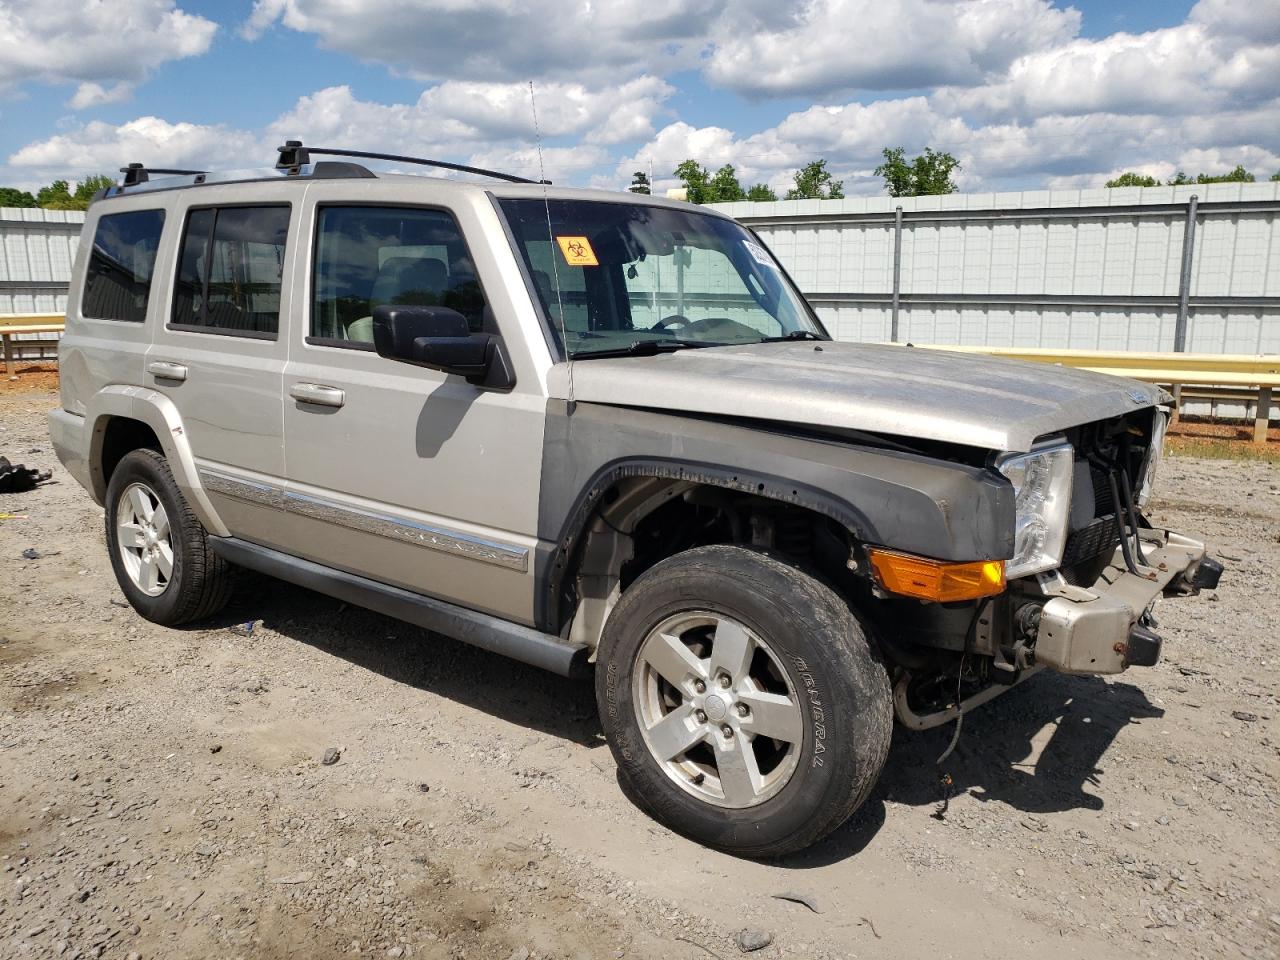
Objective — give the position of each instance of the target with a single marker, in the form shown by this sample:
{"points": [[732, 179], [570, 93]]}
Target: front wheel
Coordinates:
{"points": [[742, 700]]}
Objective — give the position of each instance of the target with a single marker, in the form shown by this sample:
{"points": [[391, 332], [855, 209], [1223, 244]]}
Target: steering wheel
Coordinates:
{"points": [[673, 322]]}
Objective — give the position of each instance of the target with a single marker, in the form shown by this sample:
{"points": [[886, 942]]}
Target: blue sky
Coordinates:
{"points": [[1028, 93]]}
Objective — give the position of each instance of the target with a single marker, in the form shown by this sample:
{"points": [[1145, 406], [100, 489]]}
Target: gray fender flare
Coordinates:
{"points": [[159, 413]]}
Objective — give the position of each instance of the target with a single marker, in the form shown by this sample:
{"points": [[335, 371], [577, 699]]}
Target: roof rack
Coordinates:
{"points": [[293, 155], [136, 173]]}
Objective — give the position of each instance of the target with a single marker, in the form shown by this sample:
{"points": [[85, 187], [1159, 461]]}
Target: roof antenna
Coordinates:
{"points": [[555, 269]]}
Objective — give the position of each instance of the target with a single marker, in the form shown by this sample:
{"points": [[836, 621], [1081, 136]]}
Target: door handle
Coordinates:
{"points": [[166, 370], [318, 394]]}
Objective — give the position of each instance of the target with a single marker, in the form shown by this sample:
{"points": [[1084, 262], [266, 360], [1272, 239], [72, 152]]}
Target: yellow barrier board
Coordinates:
{"points": [[47, 322]]}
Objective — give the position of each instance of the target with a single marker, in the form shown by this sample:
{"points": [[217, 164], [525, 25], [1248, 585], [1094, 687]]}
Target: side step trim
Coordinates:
{"points": [[481, 630]]}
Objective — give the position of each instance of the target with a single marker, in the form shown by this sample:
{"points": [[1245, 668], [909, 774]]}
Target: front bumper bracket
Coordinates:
{"points": [[1101, 629]]}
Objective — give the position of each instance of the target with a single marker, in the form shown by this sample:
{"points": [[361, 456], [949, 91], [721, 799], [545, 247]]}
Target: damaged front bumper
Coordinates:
{"points": [[1107, 627]]}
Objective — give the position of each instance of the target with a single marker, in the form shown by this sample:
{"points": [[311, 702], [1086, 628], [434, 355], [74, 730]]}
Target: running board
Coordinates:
{"points": [[481, 630]]}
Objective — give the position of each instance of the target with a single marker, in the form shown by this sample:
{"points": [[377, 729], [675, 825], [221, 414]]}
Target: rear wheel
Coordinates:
{"points": [[159, 551], [742, 700]]}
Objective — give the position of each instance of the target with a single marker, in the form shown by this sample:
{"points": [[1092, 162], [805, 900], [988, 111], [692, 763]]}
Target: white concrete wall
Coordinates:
{"points": [[1113, 256], [37, 248]]}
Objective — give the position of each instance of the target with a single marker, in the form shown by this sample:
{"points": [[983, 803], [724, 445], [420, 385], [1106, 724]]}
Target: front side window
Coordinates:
{"points": [[370, 256], [230, 270], [617, 277], [117, 284]]}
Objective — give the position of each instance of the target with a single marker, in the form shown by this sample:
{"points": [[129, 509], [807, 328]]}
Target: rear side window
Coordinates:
{"points": [[118, 282], [369, 256], [230, 269]]}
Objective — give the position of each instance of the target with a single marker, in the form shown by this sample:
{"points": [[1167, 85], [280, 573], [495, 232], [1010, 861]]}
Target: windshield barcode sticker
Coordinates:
{"points": [[759, 254]]}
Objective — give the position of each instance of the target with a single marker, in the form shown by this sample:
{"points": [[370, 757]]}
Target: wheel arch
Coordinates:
{"points": [[594, 542], [123, 418]]}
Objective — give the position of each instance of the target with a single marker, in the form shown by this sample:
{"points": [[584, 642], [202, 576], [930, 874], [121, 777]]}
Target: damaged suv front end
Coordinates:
{"points": [[1079, 590]]}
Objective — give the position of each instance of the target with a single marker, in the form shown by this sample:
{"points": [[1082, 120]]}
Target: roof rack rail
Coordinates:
{"points": [[136, 173], [293, 155]]}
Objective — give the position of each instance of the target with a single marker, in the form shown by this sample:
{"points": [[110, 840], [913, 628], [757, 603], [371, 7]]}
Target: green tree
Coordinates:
{"points": [[1275, 176], [59, 195], [927, 175], [814, 182], [696, 180], [13, 197], [56, 196], [1180, 179], [725, 187], [764, 192], [1238, 175], [640, 183], [1133, 180], [87, 187]]}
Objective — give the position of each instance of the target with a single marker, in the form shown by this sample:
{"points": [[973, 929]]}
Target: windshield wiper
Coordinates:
{"points": [[647, 348], [794, 335]]}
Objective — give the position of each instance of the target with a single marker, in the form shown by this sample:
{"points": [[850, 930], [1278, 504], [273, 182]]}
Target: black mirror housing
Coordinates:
{"points": [[441, 339]]}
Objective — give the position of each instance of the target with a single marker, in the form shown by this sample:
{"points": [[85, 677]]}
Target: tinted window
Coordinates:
{"points": [[230, 269], [121, 263], [369, 256]]}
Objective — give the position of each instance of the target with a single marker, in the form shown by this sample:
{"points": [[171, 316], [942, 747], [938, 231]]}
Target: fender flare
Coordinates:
{"points": [[160, 414], [557, 561]]}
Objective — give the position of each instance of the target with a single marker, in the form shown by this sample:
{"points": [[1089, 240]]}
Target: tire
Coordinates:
{"points": [[197, 582], [816, 656]]}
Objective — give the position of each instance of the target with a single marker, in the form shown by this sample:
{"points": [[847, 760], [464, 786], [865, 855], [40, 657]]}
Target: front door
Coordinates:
{"points": [[396, 472]]}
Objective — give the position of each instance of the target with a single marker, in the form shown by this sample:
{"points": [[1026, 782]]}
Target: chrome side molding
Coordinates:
{"points": [[431, 537]]}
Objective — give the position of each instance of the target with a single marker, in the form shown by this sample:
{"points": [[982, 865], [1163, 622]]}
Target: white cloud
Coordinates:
{"points": [[843, 45], [95, 94], [96, 147], [106, 46], [1007, 86], [1202, 65], [465, 113], [501, 40]]}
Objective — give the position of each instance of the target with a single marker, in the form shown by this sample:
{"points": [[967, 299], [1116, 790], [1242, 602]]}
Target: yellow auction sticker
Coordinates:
{"points": [[577, 251]]}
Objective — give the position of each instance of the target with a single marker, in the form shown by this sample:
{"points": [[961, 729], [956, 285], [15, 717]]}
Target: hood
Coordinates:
{"points": [[971, 399]]}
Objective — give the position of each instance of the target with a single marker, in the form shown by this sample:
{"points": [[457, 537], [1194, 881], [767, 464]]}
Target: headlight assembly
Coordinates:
{"points": [[1042, 487], [1154, 455]]}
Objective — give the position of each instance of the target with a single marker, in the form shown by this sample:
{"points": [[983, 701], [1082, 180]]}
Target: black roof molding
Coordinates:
{"points": [[293, 156]]}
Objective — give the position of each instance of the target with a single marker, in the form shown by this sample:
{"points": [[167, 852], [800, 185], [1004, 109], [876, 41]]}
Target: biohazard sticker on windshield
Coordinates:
{"points": [[577, 251], [759, 254]]}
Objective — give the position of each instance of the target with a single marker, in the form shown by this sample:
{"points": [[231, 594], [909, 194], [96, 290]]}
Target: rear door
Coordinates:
{"points": [[397, 472], [220, 355]]}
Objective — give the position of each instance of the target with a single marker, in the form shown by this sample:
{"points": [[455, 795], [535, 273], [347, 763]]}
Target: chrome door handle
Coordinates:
{"points": [[167, 370], [319, 394]]}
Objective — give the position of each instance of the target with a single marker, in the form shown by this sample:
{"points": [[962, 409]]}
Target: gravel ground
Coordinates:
{"points": [[162, 792]]}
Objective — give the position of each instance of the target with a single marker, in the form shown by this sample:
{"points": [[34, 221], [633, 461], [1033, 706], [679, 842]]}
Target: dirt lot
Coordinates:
{"points": [[162, 792]]}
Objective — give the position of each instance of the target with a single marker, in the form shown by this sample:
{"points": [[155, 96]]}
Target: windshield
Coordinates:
{"points": [[623, 277]]}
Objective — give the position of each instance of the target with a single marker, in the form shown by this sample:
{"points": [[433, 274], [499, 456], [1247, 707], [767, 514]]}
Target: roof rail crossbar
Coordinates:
{"points": [[293, 155], [136, 173]]}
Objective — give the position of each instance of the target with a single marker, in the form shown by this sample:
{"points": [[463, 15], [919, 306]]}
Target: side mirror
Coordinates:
{"points": [[439, 338]]}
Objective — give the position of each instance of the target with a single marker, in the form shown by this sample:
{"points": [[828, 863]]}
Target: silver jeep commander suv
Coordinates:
{"points": [[600, 430]]}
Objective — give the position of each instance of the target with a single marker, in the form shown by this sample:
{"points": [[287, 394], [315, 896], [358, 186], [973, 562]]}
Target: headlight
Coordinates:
{"points": [[1042, 488], [1155, 454]]}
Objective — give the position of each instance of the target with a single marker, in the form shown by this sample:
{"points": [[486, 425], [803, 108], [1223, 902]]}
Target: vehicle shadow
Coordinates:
{"points": [[417, 658], [1035, 748]]}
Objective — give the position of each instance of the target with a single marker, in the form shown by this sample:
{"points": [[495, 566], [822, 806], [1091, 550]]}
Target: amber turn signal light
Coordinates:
{"points": [[910, 576]]}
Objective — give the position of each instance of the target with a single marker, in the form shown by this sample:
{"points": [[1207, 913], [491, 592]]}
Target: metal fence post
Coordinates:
{"points": [[1184, 278], [897, 272]]}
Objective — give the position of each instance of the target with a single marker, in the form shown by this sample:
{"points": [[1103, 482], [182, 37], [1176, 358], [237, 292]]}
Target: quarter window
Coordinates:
{"points": [[117, 285], [370, 256], [230, 271]]}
